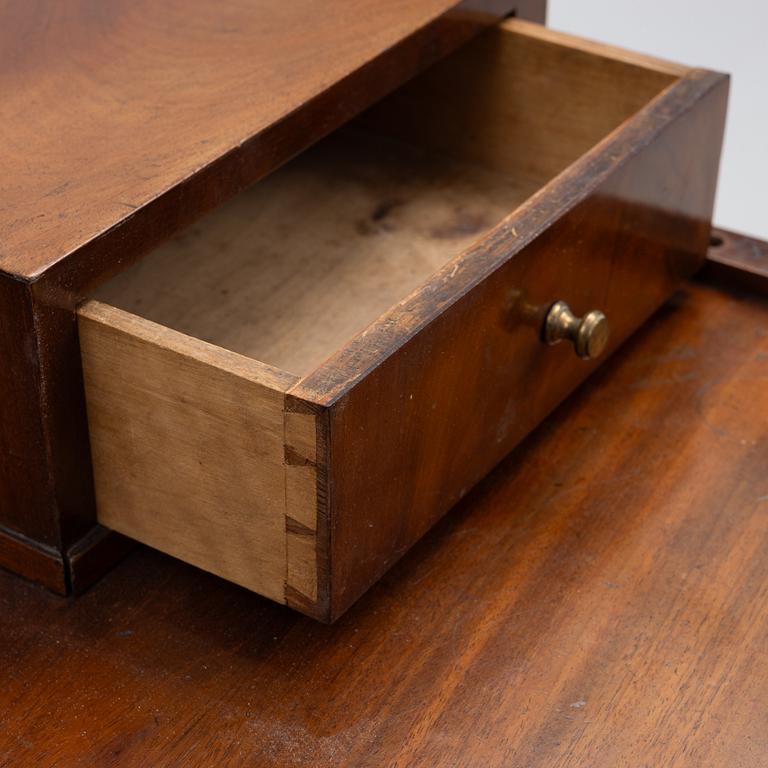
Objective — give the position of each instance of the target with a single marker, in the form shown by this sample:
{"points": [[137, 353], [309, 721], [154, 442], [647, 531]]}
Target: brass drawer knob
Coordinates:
{"points": [[589, 334]]}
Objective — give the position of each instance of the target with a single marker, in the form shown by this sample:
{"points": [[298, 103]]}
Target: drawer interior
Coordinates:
{"points": [[290, 270]]}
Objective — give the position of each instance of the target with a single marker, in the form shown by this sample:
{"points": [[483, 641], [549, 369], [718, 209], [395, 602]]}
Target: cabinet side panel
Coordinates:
{"points": [[27, 502], [187, 445], [33, 561], [468, 377]]}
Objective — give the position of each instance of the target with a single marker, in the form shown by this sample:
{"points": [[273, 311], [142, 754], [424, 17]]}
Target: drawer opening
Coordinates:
{"points": [[291, 269]]}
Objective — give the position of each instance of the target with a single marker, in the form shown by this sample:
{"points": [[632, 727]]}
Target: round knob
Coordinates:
{"points": [[589, 334]]}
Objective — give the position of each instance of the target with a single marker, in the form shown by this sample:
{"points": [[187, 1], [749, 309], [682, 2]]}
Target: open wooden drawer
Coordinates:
{"points": [[292, 391]]}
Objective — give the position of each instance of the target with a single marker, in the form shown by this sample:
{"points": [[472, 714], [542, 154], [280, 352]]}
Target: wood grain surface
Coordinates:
{"points": [[122, 122], [108, 106], [533, 100], [392, 291], [373, 211], [25, 506], [290, 270], [441, 387], [599, 601], [188, 446], [383, 213], [739, 261]]}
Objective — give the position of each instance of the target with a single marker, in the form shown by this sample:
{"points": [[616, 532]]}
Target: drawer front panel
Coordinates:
{"points": [[411, 435]]}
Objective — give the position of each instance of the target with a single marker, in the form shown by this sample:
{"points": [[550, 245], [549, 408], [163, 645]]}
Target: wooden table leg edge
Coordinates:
{"points": [[736, 262]]}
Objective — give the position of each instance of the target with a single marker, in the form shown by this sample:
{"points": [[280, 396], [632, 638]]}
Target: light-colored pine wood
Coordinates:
{"points": [[188, 446]]}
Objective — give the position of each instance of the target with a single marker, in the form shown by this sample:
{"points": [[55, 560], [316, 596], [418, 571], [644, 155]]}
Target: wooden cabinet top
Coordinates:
{"points": [[123, 120]]}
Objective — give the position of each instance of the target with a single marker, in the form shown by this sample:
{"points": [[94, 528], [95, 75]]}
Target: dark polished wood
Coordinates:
{"points": [[599, 600], [439, 389], [108, 106], [26, 499], [124, 121], [737, 260]]}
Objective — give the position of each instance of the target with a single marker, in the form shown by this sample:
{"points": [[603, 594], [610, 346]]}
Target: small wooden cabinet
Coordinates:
{"points": [[292, 389]]}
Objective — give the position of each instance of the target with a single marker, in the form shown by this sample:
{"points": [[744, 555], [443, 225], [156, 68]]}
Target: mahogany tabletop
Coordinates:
{"points": [[600, 600]]}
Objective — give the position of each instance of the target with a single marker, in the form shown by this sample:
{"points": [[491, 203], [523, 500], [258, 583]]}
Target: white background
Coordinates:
{"points": [[730, 36]]}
